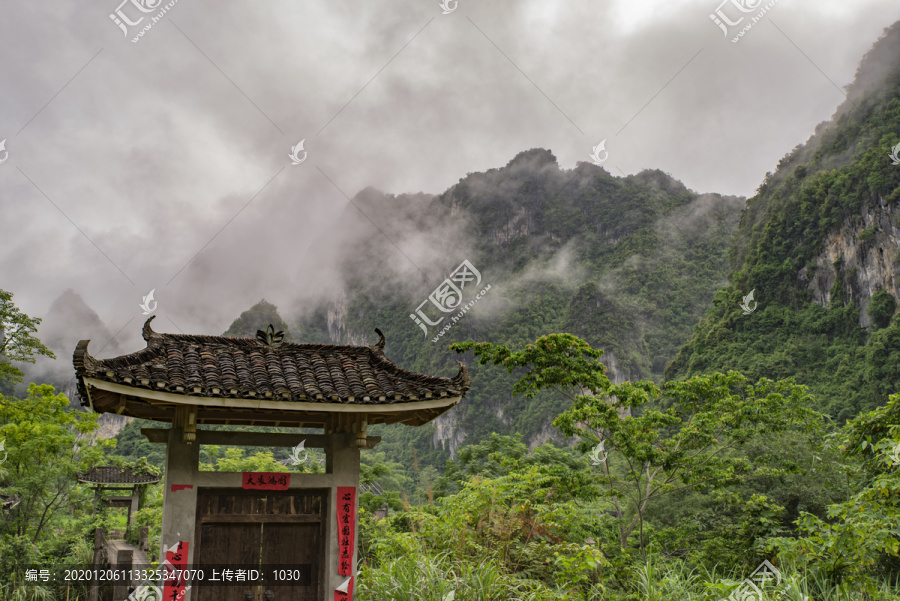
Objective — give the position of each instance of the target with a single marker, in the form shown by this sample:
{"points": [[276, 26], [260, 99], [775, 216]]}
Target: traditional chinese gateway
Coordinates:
{"points": [[304, 522]]}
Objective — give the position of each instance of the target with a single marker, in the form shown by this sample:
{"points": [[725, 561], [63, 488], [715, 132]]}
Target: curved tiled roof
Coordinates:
{"points": [[110, 474], [246, 368]]}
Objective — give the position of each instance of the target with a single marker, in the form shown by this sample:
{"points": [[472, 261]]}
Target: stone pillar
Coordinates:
{"points": [[133, 508], [136, 498], [180, 506], [345, 464]]}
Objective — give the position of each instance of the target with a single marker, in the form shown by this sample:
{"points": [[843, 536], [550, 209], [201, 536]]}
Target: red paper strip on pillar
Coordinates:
{"points": [[346, 528], [265, 480], [339, 595], [174, 567]]}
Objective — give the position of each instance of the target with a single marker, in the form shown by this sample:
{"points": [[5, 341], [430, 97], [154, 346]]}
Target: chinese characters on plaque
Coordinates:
{"points": [[265, 480]]}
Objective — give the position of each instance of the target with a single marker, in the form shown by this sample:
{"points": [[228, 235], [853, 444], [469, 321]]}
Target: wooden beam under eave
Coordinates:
{"points": [[253, 439], [156, 396]]}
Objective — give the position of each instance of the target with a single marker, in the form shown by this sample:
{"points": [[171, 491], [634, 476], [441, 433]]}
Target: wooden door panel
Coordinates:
{"points": [[227, 544], [296, 547], [269, 528]]}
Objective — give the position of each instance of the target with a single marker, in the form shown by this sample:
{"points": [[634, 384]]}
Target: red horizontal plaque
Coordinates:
{"points": [[265, 480]]}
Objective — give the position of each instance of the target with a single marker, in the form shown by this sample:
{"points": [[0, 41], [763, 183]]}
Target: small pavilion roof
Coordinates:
{"points": [[234, 376], [110, 474]]}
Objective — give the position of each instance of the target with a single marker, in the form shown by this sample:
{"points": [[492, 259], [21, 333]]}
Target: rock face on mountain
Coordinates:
{"points": [[819, 245], [864, 253], [624, 262]]}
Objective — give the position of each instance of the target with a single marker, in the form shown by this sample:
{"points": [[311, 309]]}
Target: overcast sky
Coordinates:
{"points": [[127, 159]]}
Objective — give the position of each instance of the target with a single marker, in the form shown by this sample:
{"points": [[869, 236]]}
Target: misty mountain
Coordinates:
{"points": [[68, 320], [819, 245], [506, 256]]}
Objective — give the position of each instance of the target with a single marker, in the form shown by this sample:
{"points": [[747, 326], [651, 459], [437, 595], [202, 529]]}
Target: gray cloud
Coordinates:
{"points": [[150, 149]]}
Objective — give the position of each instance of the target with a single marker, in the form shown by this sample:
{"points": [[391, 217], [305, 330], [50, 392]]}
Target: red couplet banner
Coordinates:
{"points": [[346, 528], [265, 480], [173, 568]]}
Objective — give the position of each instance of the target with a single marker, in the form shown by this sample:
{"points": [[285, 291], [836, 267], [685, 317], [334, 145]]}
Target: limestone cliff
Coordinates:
{"points": [[864, 253]]}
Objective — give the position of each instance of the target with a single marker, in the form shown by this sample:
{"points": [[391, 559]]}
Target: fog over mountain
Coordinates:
{"points": [[163, 164]]}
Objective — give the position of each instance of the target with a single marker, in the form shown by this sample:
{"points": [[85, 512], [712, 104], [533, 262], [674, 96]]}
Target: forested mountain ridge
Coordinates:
{"points": [[625, 262], [819, 245]]}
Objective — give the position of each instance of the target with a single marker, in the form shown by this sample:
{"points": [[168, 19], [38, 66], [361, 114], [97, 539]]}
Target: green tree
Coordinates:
{"points": [[54, 517], [860, 536], [660, 441], [17, 340], [234, 459], [881, 308], [46, 448]]}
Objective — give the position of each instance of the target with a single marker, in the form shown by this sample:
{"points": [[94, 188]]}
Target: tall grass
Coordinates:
{"points": [[420, 577], [436, 578], [675, 581]]}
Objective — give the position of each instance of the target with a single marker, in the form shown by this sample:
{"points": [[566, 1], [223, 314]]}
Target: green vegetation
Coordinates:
{"points": [[696, 484], [54, 517], [723, 439], [819, 189], [628, 264], [17, 341]]}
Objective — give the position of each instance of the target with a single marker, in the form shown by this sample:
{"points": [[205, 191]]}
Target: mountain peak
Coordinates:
{"points": [[536, 158]]}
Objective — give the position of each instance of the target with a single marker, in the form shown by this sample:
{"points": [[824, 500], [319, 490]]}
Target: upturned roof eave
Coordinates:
{"points": [[166, 397], [89, 366]]}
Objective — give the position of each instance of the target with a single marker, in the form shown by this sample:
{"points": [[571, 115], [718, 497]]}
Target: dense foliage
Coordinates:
{"points": [[689, 488]]}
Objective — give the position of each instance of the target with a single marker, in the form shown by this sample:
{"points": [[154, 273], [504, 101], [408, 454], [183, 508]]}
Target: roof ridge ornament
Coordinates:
{"points": [[147, 332], [270, 337], [462, 379], [378, 347], [82, 359]]}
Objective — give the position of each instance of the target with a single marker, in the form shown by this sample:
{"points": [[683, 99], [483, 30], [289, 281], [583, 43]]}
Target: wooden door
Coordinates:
{"points": [[280, 533], [225, 546], [290, 550]]}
